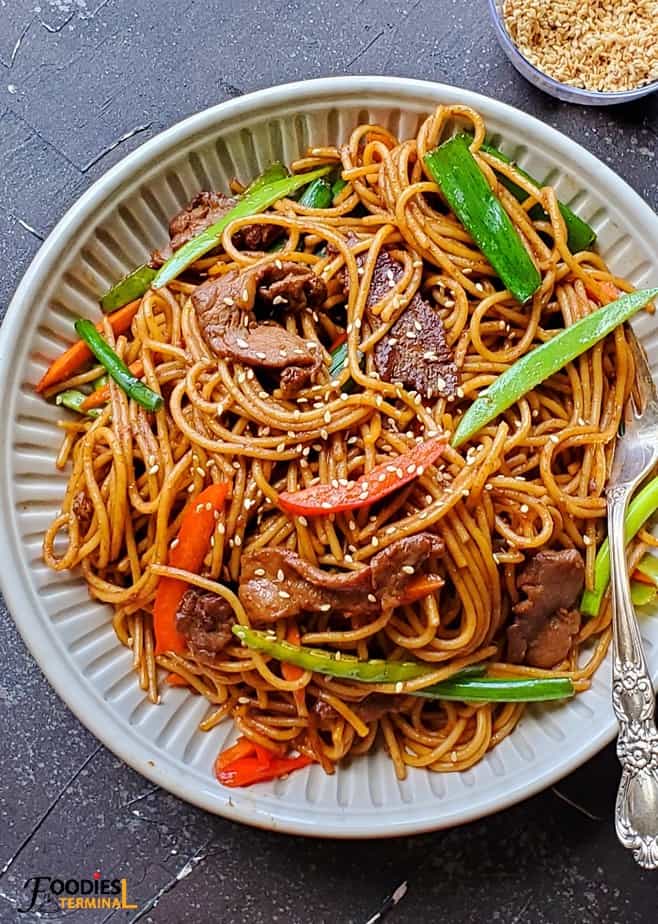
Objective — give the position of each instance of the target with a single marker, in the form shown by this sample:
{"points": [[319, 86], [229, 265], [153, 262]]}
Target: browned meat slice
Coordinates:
{"points": [[206, 620], [82, 508], [275, 583], [545, 623], [268, 346], [204, 210], [225, 311], [219, 304], [415, 351], [370, 709], [289, 286], [553, 641]]}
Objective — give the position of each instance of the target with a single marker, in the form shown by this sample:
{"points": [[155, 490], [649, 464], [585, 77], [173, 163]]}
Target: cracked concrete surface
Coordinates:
{"points": [[90, 80]]}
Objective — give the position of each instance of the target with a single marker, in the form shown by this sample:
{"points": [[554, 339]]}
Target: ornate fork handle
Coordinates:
{"points": [[636, 809]]}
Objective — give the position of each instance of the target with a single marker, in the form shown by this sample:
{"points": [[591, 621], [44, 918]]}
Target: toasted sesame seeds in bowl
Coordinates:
{"points": [[590, 52]]}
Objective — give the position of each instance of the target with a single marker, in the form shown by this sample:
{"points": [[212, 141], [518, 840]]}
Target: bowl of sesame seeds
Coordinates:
{"points": [[591, 52]]}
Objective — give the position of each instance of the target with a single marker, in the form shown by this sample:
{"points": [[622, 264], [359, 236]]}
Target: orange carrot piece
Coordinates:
{"points": [[420, 587], [197, 527], [77, 355], [102, 395]]}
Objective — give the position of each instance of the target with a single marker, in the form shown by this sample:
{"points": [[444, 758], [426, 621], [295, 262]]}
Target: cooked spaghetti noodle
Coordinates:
{"points": [[530, 480]]}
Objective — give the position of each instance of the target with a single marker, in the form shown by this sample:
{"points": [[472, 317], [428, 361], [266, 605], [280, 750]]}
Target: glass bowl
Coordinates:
{"points": [[563, 91]]}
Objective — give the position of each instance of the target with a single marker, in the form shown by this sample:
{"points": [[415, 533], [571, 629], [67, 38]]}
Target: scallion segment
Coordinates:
{"points": [[580, 235], [73, 399], [500, 689], [116, 367], [544, 361], [458, 176], [467, 685], [643, 505], [132, 286]]}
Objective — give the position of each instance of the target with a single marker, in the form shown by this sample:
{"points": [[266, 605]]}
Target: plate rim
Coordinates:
{"points": [[14, 578]]}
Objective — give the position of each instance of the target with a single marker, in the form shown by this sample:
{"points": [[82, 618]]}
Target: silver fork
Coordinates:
{"points": [[636, 453]]}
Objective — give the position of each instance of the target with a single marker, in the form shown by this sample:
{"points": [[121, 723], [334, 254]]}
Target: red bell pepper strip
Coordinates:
{"points": [[382, 480], [194, 535], [248, 770], [175, 680], [246, 762]]}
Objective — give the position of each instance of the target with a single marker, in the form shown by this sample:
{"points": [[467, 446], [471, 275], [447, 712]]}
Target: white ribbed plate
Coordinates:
{"points": [[108, 232]]}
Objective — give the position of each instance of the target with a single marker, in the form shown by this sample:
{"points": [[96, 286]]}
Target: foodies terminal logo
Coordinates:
{"points": [[93, 893]]}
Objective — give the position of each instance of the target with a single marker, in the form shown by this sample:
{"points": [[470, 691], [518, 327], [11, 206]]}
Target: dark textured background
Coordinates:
{"points": [[82, 82]]}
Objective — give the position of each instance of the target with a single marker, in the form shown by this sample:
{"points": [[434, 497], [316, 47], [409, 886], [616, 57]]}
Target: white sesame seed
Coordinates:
{"points": [[154, 469], [325, 607], [237, 540], [408, 569], [399, 687], [302, 521]]}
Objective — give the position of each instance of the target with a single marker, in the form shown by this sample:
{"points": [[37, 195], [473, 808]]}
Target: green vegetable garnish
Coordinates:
{"points": [[467, 685], [250, 203], [458, 176], [116, 366], [500, 689], [318, 194], [72, 398], [275, 171], [643, 505], [132, 286], [526, 373], [580, 236]]}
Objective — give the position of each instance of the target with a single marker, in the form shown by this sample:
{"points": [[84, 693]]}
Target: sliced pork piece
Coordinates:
{"points": [[276, 583], [206, 620], [546, 622]]}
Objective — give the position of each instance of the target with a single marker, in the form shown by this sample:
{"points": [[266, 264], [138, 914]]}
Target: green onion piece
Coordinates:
{"points": [[642, 594], [500, 689], [464, 186], [467, 685], [643, 505], [100, 382], [116, 367], [275, 171], [545, 360], [649, 567], [580, 235], [250, 203], [342, 665], [132, 286], [318, 194], [338, 360], [72, 398], [338, 186]]}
